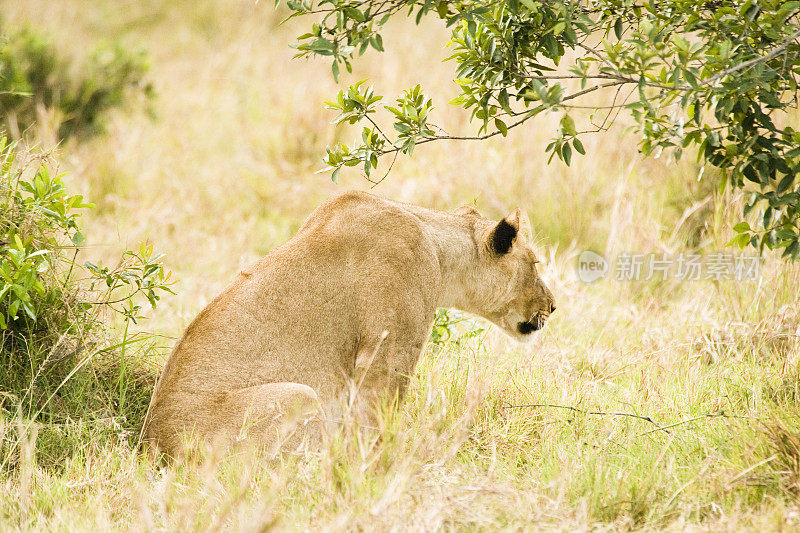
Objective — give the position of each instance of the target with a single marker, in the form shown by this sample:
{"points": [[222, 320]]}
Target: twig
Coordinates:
{"points": [[620, 81], [775, 51], [718, 414], [375, 183], [587, 412]]}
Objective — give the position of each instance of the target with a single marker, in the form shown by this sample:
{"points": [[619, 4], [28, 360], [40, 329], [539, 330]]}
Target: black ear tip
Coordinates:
{"points": [[503, 236]]}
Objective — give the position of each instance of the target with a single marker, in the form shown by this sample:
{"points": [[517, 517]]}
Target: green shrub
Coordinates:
{"points": [[34, 76], [454, 328], [58, 359]]}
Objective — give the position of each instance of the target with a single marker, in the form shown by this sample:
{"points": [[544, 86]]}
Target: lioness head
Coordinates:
{"points": [[510, 293]]}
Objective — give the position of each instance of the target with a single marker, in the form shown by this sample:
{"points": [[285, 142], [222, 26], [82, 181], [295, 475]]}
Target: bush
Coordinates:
{"points": [[34, 77], [59, 361]]}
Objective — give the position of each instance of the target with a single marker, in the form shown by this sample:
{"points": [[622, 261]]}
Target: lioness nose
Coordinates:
{"points": [[552, 307]]}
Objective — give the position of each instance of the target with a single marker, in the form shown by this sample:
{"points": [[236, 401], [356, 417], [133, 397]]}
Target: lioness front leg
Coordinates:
{"points": [[383, 370]]}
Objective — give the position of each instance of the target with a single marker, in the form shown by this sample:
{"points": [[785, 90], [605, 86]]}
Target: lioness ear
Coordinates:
{"points": [[514, 218], [503, 234], [525, 224]]}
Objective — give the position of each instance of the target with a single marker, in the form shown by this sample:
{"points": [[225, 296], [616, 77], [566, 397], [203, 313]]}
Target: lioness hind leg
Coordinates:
{"points": [[274, 416]]}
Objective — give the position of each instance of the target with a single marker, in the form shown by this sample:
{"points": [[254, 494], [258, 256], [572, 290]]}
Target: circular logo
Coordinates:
{"points": [[591, 266]]}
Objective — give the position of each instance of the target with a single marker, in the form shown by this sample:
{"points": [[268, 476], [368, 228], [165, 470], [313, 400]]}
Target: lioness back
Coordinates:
{"points": [[292, 316]]}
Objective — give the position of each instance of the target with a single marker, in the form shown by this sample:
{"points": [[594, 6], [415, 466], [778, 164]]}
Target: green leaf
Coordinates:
{"points": [[741, 240], [568, 125], [502, 98], [13, 308], [26, 306], [785, 183], [566, 153], [793, 251], [501, 127]]}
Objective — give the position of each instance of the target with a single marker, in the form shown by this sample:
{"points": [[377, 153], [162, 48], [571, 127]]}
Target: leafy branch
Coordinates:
{"points": [[38, 224], [713, 77]]}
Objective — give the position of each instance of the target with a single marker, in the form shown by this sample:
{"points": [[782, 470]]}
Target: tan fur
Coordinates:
{"points": [[340, 312]]}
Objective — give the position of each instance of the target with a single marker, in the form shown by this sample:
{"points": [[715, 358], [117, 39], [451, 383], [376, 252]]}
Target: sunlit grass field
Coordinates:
{"points": [[659, 404]]}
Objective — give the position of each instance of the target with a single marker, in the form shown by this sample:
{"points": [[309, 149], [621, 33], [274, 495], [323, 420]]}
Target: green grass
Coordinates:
{"points": [[225, 173], [464, 451]]}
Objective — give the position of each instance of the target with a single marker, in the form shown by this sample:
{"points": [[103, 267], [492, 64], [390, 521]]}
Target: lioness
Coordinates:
{"points": [[344, 308]]}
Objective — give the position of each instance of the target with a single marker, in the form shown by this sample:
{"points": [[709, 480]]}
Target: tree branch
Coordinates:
{"points": [[586, 412], [774, 52]]}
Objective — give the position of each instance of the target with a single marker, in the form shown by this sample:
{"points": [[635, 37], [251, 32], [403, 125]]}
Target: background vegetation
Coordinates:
{"points": [[226, 172], [39, 85]]}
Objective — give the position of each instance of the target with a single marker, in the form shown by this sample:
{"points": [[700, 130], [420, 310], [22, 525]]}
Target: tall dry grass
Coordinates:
{"points": [[226, 171]]}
